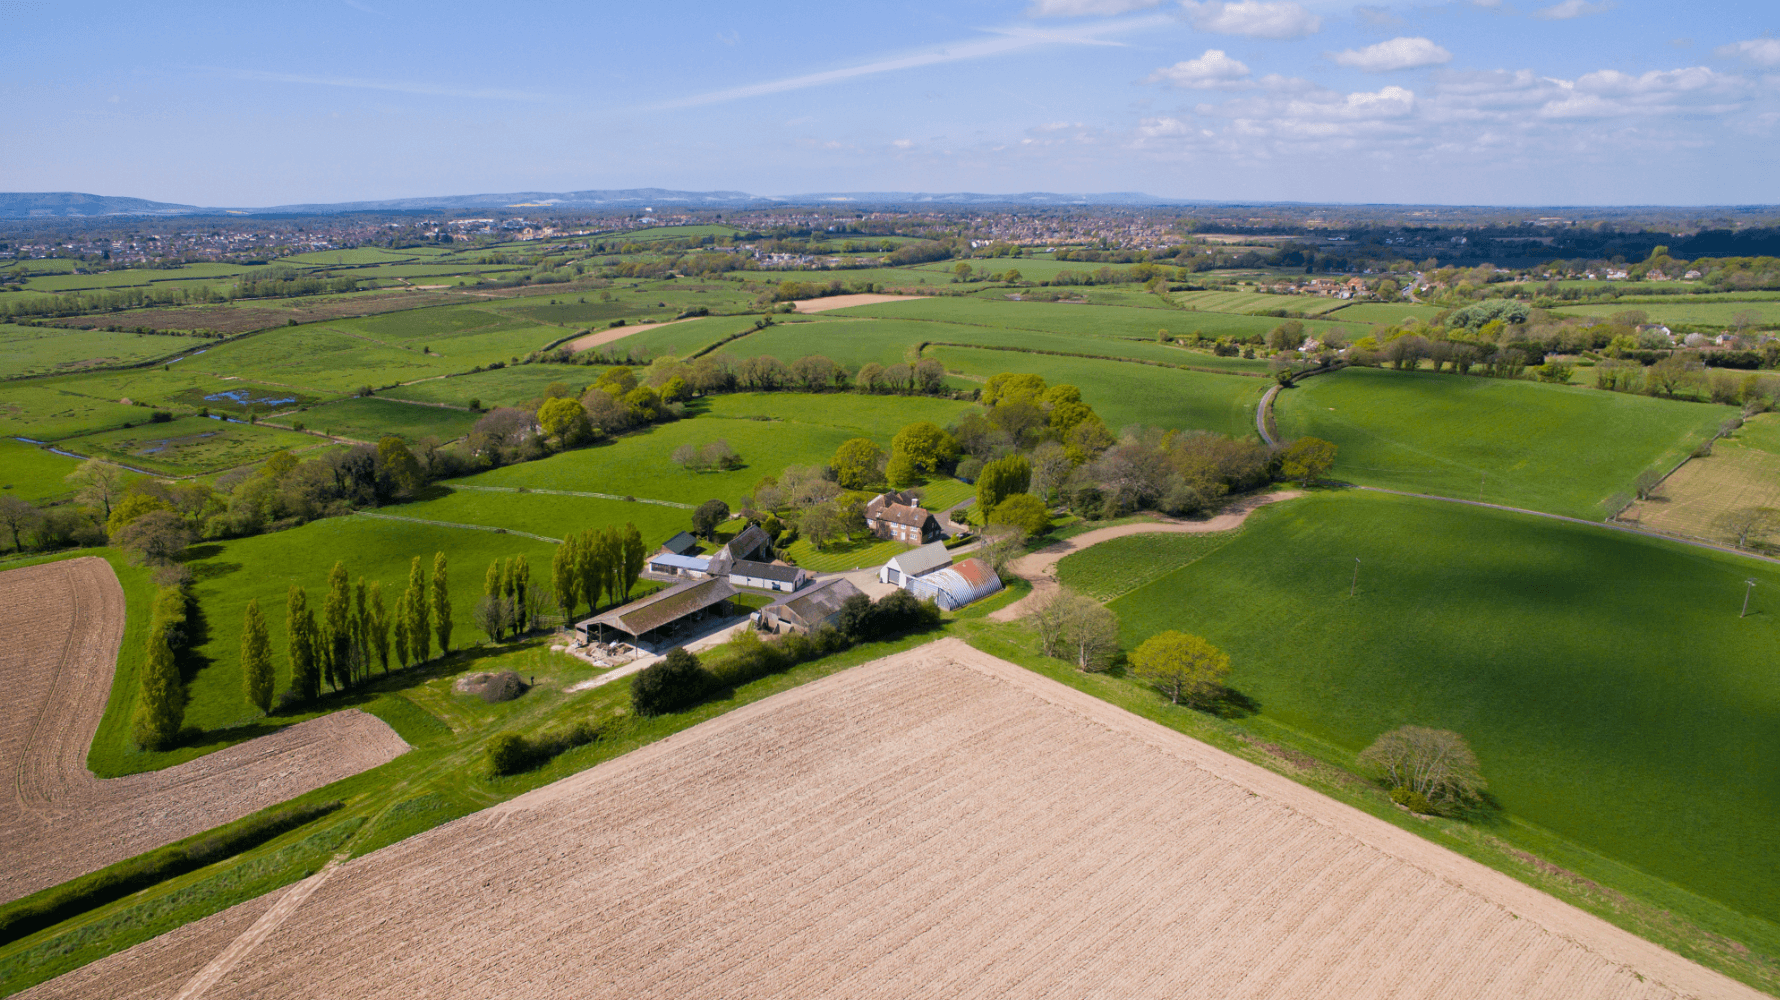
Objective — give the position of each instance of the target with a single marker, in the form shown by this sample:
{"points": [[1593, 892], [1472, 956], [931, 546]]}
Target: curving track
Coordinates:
{"points": [[935, 823], [61, 625]]}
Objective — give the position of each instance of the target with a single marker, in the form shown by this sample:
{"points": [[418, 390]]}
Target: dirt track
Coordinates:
{"points": [[61, 624], [1040, 568], [844, 301], [935, 823]]}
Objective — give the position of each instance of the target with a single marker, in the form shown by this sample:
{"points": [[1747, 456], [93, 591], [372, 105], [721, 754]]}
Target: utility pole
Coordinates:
{"points": [[1356, 584], [1746, 592]]}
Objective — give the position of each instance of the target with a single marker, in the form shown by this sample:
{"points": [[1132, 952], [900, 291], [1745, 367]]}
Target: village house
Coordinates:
{"points": [[753, 544], [900, 517]]}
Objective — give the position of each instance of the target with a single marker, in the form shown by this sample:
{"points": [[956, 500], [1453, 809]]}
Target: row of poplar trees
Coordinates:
{"points": [[355, 627], [597, 562]]}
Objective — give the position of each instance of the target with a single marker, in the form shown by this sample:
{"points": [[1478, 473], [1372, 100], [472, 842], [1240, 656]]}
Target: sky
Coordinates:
{"points": [[1470, 102]]}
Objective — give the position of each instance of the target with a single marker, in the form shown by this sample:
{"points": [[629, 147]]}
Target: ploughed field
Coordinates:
{"points": [[61, 624], [935, 823]]}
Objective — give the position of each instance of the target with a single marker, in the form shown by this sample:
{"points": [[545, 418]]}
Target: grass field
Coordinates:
{"points": [[1384, 312], [370, 419], [677, 339], [33, 474], [1598, 675], [1118, 566], [1718, 314], [1124, 393], [1256, 302], [1076, 320], [187, 446], [38, 350], [501, 387], [1524, 444], [50, 410], [547, 514], [1742, 472], [845, 554]]}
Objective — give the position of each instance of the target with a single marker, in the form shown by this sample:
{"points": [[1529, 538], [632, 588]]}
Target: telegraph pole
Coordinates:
{"points": [[1356, 584], [1746, 592]]}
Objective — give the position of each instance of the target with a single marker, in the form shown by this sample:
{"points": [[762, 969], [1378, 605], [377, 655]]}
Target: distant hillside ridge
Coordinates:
{"points": [[73, 204]]}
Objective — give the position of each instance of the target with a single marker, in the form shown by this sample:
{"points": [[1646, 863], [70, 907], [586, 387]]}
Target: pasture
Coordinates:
{"points": [[1743, 472], [1124, 393], [1710, 314], [1385, 312], [510, 386], [1597, 674], [186, 446], [937, 816], [551, 515], [370, 419], [54, 409], [1117, 566], [42, 350], [1525, 444], [33, 474], [1080, 321]]}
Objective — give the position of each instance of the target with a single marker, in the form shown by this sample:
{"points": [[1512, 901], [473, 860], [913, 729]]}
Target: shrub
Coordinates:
{"points": [[507, 753], [1412, 800], [1024, 511], [678, 682]]}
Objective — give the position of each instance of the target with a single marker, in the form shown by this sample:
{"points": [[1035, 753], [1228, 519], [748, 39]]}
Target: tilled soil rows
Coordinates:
{"points": [[60, 627], [936, 823]]}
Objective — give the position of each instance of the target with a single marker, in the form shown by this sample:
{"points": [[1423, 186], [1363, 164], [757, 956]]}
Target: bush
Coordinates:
{"points": [[507, 753], [678, 682], [1024, 511], [1412, 800], [511, 753]]}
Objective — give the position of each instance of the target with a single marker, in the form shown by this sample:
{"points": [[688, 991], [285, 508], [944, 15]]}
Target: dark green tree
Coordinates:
{"points": [[256, 658], [160, 707], [441, 603]]}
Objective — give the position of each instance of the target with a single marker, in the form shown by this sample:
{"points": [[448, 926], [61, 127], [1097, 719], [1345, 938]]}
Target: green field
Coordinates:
{"points": [[501, 387], [33, 474], [187, 446], [1561, 449], [1124, 393], [1385, 312], [1078, 320], [679, 339], [39, 350], [370, 419], [545, 514], [1718, 314], [1118, 566], [1604, 679]]}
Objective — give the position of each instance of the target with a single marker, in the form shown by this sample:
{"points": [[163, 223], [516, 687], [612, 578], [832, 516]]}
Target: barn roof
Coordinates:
{"points": [[765, 571], [925, 559], [664, 607], [680, 544], [815, 604], [956, 586]]}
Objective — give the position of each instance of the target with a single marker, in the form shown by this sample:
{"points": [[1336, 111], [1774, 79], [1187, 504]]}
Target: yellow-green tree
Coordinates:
{"points": [[256, 658], [1180, 665], [160, 707], [1306, 459], [298, 621], [856, 463], [420, 638], [441, 603]]}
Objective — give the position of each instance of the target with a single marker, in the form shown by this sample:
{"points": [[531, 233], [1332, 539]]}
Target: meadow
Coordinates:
{"points": [[1254, 303], [1077, 320], [1559, 449], [1385, 312], [1125, 393], [1713, 314], [40, 350], [186, 446], [1598, 674], [55, 409], [546, 514], [508, 386], [370, 419], [33, 474]]}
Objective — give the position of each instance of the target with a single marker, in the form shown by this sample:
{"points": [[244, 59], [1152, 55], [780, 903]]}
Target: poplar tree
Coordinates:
{"points": [[303, 679], [361, 631], [337, 640], [589, 569], [441, 603], [632, 558], [522, 581], [377, 626], [420, 639], [161, 706], [563, 576], [491, 582], [403, 614], [256, 658]]}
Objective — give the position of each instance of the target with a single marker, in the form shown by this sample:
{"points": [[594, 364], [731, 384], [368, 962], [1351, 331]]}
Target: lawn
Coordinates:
{"points": [[33, 474], [769, 430], [1600, 676], [1554, 448], [867, 550], [39, 350], [370, 419], [187, 446], [1124, 393]]}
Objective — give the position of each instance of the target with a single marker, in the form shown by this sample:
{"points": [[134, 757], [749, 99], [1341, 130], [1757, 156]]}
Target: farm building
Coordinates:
{"points": [[767, 576], [900, 516], [810, 610], [753, 545], [682, 544], [905, 566], [957, 585], [660, 616], [669, 564]]}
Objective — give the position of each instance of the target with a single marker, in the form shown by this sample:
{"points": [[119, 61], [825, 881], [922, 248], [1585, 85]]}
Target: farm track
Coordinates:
{"points": [[1040, 568], [934, 823], [62, 624]]}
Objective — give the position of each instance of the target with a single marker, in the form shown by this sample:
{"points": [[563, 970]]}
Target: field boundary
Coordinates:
{"points": [[923, 345], [570, 493], [454, 524]]}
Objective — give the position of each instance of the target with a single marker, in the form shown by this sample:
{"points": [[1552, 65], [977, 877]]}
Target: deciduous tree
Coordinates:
{"points": [[377, 625], [420, 638], [1436, 764], [1001, 479], [160, 706], [18, 516], [441, 603], [708, 516], [98, 485], [856, 463], [1181, 666], [256, 658], [335, 637], [1306, 459]]}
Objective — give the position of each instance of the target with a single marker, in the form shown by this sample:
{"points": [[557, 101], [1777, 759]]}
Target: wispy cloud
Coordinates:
{"points": [[1760, 51], [1568, 9], [393, 86], [1254, 18], [1001, 42], [1086, 8]]}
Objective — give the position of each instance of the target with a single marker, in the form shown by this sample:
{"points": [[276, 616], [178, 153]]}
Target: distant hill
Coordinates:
{"points": [[72, 204]]}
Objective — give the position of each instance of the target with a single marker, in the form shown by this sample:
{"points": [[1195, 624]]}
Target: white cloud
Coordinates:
{"points": [[1213, 69], [1760, 51], [1398, 53], [1572, 8], [1391, 102], [1086, 8], [1255, 18]]}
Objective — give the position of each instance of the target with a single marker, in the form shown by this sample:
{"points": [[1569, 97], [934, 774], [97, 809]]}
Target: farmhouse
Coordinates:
{"points": [[660, 616], [767, 576], [899, 516], [752, 544], [905, 566], [810, 610], [955, 586]]}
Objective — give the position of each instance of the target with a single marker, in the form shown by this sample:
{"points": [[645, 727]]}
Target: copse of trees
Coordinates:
{"points": [[352, 634], [597, 564]]}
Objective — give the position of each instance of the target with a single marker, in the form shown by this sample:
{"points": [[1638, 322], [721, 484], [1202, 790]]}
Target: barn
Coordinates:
{"points": [[662, 617]]}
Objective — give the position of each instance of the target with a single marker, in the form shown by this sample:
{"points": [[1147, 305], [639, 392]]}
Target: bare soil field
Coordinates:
{"points": [[844, 301], [1691, 501], [60, 627], [934, 823], [614, 333], [1040, 568]]}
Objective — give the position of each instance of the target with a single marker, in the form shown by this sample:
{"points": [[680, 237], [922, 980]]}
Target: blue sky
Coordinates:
{"points": [[1465, 102]]}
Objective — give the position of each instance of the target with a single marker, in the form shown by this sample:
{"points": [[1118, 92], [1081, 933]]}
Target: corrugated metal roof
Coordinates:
{"points": [[680, 544], [813, 605], [956, 586], [765, 571], [925, 559], [659, 609], [699, 563]]}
